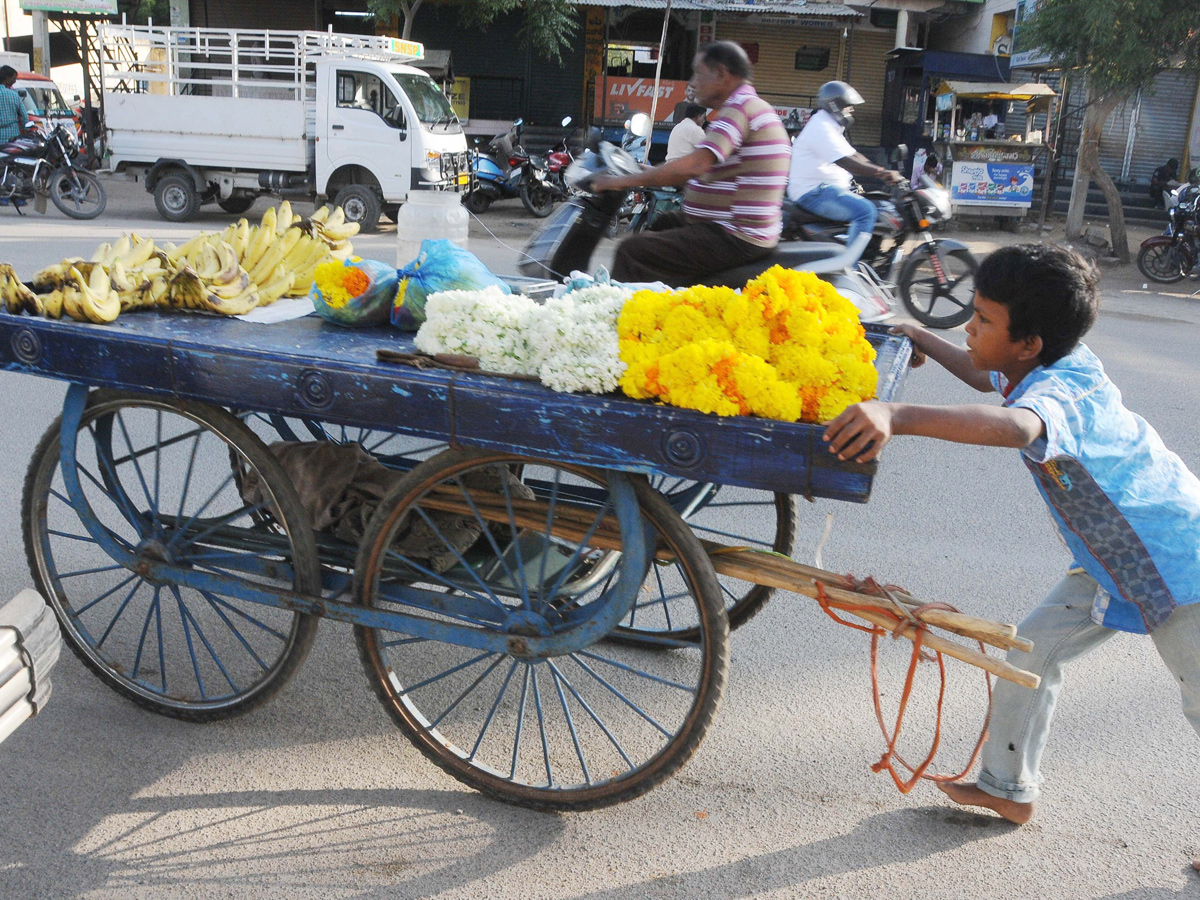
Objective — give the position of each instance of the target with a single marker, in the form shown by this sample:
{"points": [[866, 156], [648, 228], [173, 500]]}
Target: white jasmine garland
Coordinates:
{"points": [[570, 342]]}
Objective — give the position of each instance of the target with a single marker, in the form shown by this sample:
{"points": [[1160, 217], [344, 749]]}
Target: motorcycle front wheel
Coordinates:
{"points": [[1164, 263], [77, 193], [538, 198], [939, 299]]}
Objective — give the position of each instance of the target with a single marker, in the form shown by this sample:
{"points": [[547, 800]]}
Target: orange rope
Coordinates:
{"points": [[903, 617]]}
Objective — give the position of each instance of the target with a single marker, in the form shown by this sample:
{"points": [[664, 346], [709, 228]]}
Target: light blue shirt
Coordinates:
{"points": [[1127, 507]]}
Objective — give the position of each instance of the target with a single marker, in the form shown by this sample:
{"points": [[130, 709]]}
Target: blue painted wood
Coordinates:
{"points": [[309, 367]]}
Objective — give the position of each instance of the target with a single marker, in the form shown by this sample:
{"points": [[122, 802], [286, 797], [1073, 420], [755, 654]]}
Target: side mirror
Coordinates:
{"points": [[641, 125]]}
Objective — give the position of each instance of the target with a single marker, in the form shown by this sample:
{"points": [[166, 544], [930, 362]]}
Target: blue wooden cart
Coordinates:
{"points": [[531, 599]]}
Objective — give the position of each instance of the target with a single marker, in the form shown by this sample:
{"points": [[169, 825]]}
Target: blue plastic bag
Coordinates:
{"points": [[441, 266], [371, 307]]}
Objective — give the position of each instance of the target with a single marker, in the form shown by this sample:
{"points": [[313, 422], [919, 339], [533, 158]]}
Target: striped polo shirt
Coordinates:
{"points": [[744, 190]]}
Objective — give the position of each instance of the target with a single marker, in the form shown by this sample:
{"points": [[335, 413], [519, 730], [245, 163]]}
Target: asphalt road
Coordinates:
{"points": [[317, 796]]}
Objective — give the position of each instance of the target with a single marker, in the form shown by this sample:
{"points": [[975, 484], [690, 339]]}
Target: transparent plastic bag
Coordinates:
{"points": [[370, 307]]}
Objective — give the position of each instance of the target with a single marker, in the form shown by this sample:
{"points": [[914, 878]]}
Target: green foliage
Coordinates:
{"points": [[1120, 44], [549, 24], [139, 12]]}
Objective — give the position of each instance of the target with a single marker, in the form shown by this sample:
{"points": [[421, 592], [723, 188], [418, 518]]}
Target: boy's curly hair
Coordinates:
{"points": [[1050, 291]]}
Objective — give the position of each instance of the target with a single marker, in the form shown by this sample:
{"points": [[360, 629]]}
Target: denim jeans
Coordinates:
{"points": [[841, 205], [1062, 629]]}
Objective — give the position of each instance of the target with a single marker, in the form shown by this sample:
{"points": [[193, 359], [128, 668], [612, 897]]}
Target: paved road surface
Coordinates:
{"points": [[316, 796]]}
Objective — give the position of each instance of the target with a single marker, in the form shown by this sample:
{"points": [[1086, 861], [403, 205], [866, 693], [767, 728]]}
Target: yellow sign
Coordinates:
{"points": [[460, 97]]}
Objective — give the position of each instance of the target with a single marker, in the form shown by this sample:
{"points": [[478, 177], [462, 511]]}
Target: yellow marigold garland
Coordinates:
{"points": [[787, 347]]}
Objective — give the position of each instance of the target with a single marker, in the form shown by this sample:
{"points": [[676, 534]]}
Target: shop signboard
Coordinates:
{"points": [[991, 184], [460, 97], [619, 98]]}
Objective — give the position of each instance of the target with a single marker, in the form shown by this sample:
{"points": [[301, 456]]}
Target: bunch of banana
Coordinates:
{"points": [[85, 298], [16, 296], [330, 225]]}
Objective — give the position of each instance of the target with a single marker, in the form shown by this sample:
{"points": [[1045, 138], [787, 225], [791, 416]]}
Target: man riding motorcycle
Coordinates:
{"points": [[734, 182], [823, 163]]}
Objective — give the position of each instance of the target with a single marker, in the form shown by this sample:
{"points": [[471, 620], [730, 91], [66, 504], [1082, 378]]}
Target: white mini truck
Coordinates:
{"points": [[212, 115]]}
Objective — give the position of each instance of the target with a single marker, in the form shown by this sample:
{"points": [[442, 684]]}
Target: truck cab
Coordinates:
{"points": [[384, 130]]}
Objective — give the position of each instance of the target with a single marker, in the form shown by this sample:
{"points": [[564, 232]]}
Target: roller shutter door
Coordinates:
{"points": [[775, 75], [868, 73]]}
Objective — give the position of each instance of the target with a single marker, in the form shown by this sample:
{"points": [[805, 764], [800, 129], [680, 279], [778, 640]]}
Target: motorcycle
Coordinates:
{"points": [[1173, 255], [936, 281], [569, 238], [504, 170], [33, 166], [558, 158]]}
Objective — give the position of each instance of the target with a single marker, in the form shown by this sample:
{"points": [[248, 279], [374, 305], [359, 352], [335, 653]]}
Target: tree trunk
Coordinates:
{"points": [[409, 12], [1090, 158]]}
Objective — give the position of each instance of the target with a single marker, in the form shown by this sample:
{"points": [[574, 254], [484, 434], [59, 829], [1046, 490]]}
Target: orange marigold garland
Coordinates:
{"points": [[786, 347]]}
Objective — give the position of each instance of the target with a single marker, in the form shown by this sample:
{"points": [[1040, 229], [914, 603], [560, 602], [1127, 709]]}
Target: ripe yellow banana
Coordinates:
{"points": [[178, 255], [138, 254], [241, 237], [17, 297], [298, 254], [98, 300], [342, 251], [273, 257], [186, 290], [259, 244], [73, 303], [280, 283], [232, 288], [283, 217], [233, 306], [122, 281], [206, 263], [231, 268], [123, 245], [52, 304], [270, 219], [336, 217], [102, 252], [55, 276], [334, 233], [320, 215]]}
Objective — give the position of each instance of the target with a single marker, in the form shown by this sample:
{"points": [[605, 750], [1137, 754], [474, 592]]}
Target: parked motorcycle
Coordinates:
{"points": [[504, 170], [33, 166], [569, 238], [1173, 255], [936, 281], [558, 158]]}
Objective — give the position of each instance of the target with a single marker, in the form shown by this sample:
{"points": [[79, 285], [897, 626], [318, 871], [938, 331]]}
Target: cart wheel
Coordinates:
{"points": [[164, 481], [586, 728], [396, 451], [735, 517]]}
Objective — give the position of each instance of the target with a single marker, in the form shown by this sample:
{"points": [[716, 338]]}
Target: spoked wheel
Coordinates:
{"points": [[77, 193], [939, 291], [734, 517], [171, 486], [1163, 262], [396, 451], [524, 574]]}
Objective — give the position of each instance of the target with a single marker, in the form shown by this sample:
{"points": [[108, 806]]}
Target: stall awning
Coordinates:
{"points": [[793, 7], [996, 90]]}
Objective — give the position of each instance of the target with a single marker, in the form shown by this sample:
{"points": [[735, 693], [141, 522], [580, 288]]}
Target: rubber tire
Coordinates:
{"points": [[477, 202], [1141, 264], [86, 177], [365, 205], [235, 206], [175, 198], [529, 191], [904, 282], [307, 569], [673, 531]]}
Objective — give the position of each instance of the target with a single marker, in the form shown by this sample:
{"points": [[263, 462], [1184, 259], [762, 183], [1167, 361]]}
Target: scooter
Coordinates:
{"points": [[569, 238], [498, 170]]}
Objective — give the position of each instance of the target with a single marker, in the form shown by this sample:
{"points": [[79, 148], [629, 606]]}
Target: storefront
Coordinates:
{"points": [[991, 171]]}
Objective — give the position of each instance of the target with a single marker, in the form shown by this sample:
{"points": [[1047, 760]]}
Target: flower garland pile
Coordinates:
{"points": [[787, 347], [569, 342], [339, 283]]}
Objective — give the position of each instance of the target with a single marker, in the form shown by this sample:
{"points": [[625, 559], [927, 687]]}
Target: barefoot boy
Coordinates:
{"points": [[1127, 507]]}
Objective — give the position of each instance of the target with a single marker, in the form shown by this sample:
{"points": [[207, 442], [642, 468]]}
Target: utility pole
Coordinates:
{"points": [[41, 43]]}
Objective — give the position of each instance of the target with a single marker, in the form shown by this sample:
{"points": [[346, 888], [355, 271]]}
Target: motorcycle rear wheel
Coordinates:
{"points": [[1164, 263], [538, 198], [77, 193]]}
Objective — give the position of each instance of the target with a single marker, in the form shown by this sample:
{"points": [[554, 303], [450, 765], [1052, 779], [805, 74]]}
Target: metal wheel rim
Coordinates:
{"points": [[81, 199], [564, 722], [175, 198], [954, 305], [288, 633]]}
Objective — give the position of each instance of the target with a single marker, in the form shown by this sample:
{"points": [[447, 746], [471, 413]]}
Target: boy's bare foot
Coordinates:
{"points": [[970, 795]]}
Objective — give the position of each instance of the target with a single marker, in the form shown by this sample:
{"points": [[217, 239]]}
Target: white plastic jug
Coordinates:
{"points": [[429, 215]]}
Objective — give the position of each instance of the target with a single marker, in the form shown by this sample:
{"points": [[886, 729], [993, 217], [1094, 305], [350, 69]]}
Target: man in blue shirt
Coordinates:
{"points": [[1126, 506], [12, 110]]}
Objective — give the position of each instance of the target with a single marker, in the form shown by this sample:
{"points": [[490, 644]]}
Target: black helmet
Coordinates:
{"points": [[837, 98]]}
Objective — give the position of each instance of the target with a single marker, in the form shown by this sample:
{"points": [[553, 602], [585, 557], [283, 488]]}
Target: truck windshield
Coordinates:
{"points": [[431, 104], [40, 101]]}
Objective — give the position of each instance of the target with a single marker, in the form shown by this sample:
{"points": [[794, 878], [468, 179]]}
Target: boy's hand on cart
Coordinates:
{"points": [[911, 332], [860, 432]]}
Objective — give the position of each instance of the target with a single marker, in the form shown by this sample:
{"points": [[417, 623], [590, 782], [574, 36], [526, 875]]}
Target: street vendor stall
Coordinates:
{"points": [[991, 171]]}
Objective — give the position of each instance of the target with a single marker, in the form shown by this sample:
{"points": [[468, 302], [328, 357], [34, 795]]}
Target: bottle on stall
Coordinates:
{"points": [[429, 215]]}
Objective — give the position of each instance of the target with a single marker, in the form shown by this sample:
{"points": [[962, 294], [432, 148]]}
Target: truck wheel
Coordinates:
{"points": [[236, 205], [176, 198], [360, 204]]}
